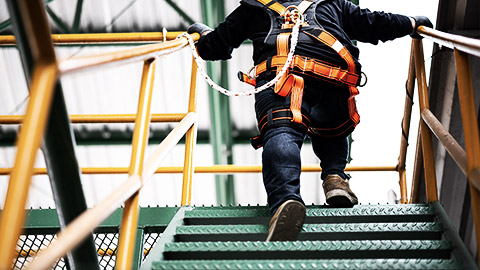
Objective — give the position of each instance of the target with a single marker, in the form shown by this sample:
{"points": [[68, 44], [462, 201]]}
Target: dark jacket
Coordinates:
{"points": [[341, 18]]}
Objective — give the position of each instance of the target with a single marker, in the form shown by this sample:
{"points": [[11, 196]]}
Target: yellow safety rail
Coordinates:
{"points": [[469, 160], [45, 76], [41, 90]]}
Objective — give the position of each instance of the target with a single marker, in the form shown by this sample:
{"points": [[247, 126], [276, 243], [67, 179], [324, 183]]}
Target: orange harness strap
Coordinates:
{"points": [[289, 83], [329, 40]]}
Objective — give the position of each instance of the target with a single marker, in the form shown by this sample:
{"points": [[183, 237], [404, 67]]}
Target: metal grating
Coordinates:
{"points": [[106, 243]]}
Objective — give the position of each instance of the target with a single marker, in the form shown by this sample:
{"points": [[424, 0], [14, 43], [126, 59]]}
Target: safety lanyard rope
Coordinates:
{"points": [[199, 61]]}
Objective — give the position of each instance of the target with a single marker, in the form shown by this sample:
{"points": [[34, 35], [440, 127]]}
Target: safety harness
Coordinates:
{"points": [[292, 84]]}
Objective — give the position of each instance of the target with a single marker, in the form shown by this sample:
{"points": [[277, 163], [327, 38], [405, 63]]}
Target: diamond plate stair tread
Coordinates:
{"points": [[346, 231], [314, 228], [363, 249], [315, 214], [310, 264]]}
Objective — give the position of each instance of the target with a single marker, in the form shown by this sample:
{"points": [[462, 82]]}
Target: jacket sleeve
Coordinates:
{"points": [[367, 26], [230, 34]]}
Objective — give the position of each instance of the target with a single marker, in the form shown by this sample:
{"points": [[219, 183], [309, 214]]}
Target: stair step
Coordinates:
{"points": [[310, 264], [345, 231], [315, 214], [363, 249]]}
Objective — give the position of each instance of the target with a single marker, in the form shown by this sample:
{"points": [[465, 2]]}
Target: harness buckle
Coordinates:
{"points": [[252, 73], [292, 14]]}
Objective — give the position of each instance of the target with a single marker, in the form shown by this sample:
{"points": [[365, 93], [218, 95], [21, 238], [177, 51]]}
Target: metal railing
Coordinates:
{"points": [[46, 74], [469, 160]]}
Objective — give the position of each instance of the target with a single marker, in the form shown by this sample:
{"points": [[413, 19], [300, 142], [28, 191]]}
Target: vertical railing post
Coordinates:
{"points": [[128, 230], [410, 85], [190, 140], [470, 130], [427, 144]]}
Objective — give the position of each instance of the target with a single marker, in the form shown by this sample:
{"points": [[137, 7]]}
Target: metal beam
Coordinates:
{"points": [[34, 44], [213, 12], [78, 15], [180, 12]]}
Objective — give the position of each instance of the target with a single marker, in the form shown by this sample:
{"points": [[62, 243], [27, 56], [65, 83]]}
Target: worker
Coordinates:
{"points": [[315, 97]]}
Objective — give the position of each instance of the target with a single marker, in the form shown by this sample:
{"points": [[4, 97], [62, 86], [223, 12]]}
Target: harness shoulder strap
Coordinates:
{"points": [[273, 5]]}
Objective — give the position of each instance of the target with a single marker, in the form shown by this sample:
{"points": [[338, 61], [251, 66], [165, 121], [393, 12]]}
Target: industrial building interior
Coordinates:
{"points": [[89, 142]]}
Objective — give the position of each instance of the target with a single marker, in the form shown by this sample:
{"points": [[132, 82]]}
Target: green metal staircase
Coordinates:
{"points": [[417, 236]]}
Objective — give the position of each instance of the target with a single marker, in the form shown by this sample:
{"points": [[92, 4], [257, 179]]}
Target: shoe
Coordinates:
{"points": [[338, 192], [287, 222]]}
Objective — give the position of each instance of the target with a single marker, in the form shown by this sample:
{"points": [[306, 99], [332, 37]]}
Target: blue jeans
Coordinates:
{"points": [[282, 145], [282, 164]]}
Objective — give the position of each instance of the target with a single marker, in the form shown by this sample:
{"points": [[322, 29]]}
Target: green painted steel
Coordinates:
{"points": [[78, 15], [58, 21], [461, 252], [362, 249], [347, 231], [168, 236], [213, 12], [180, 12], [46, 221], [385, 264], [316, 214]]}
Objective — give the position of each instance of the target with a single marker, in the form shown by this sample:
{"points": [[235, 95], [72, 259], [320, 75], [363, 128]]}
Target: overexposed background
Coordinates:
{"points": [[376, 139]]}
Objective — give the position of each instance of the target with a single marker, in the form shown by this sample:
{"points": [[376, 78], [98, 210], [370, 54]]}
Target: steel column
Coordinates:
{"points": [[78, 15], [218, 113], [128, 230], [427, 144], [180, 12], [471, 133], [36, 50]]}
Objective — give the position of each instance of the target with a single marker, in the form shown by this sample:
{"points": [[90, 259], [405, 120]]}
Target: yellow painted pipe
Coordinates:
{"points": [[30, 138], [99, 38], [128, 227], [461, 43], [83, 225], [102, 118], [139, 53], [427, 144], [407, 115], [417, 168], [190, 140], [470, 131], [451, 145], [217, 169]]}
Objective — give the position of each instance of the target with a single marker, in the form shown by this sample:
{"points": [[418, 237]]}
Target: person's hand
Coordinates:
{"points": [[419, 21], [200, 28]]}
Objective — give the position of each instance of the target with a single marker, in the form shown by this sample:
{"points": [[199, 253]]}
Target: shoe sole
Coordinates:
{"points": [[289, 223], [340, 198]]}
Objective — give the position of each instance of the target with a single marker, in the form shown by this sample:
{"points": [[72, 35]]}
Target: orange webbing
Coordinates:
{"points": [[281, 88], [277, 7], [296, 98], [311, 65], [289, 83]]}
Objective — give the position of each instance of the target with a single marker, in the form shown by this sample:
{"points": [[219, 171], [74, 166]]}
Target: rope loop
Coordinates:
{"points": [[199, 60]]}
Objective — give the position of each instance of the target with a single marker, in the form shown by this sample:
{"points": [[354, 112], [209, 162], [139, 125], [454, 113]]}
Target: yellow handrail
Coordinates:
{"points": [[101, 118], [216, 169], [469, 160], [461, 43], [140, 53], [83, 225], [99, 38], [128, 228]]}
